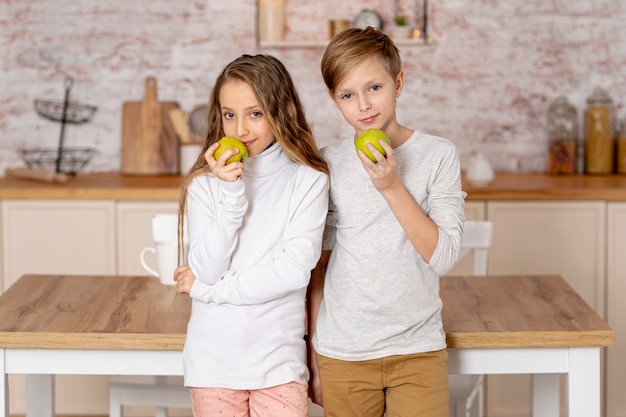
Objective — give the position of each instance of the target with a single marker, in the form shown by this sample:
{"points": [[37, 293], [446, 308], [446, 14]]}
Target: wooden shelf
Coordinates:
{"points": [[323, 43]]}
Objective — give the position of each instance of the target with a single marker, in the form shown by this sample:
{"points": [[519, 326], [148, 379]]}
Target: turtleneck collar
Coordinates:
{"points": [[268, 162]]}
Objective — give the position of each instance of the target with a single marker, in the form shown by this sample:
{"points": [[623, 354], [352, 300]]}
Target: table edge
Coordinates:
{"points": [[547, 339]]}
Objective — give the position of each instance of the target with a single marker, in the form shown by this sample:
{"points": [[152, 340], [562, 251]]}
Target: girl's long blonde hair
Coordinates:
{"points": [[280, 103]]}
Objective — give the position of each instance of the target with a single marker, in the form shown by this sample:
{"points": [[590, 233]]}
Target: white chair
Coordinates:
{"points": [[466, 391], [160, 392]]}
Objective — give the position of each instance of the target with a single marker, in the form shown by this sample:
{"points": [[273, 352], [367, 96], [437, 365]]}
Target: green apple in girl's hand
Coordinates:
{"points": [[228, 142], [371, 136]]}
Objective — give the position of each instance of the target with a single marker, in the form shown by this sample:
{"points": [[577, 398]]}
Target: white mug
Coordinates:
{"points": [[165, 249], [166, 256]]}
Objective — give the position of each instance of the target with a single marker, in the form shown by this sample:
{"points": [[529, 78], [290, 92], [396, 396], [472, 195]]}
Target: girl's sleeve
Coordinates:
{"points": [[446, 208], [291, 269], [215, 211]]}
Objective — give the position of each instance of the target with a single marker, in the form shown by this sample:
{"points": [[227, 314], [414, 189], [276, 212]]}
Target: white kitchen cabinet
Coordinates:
{"points": [[59, 237], [616, 310], [545, 237], [134, 232]]}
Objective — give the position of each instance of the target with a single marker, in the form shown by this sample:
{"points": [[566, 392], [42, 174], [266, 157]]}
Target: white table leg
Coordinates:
{"points": [[4, 386], [39, 395], [545, 395], [583, 393]]}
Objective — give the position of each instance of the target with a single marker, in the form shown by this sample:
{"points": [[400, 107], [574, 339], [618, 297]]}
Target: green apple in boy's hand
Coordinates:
{"points": [[372, 136], [228, 142]]}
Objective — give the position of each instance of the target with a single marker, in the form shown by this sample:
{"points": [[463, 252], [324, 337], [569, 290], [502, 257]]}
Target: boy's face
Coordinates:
{"points": [[367, 96], [243, 118]]}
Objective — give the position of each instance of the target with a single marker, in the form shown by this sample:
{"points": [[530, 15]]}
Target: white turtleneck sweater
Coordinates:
{"points": [[253, 244]]}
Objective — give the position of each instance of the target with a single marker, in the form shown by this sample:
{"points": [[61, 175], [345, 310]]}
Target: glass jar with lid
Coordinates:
{"points": [[599, 133], [562, 136]]}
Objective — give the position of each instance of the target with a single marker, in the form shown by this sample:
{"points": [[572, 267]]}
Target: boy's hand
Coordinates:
{"points": [[315, 389], [384, 173], [225, 172]]}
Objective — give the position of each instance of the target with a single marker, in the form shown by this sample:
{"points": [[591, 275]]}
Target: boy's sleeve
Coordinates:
{"points": [[446, 208]]}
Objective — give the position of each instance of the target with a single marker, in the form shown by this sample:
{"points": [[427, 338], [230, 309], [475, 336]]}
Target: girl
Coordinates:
{"points": [[255, 232]]}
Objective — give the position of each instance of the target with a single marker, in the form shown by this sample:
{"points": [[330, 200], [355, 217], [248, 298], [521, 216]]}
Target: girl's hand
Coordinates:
{"points": [[226, 172], [384, 173], [184, 279]]}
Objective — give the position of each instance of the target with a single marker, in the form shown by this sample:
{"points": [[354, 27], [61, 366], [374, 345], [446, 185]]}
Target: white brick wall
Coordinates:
{"points": [[485, 83]]}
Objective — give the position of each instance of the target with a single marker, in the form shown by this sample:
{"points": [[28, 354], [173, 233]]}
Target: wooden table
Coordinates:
{"points": [[527, 325], [128, 325]]}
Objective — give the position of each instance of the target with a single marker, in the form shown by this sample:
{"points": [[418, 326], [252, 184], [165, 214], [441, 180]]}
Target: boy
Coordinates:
{"points": [[394, 226]]}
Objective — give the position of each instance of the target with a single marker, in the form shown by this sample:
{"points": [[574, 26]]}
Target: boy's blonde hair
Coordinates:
{"points": [[353, 46], [273, 87]]}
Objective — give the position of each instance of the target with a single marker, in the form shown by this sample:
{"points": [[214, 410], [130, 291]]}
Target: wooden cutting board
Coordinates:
{"points": [[149, 141]]}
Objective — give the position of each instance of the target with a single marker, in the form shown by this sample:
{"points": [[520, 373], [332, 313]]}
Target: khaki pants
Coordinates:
{"points": [[414, 385]]}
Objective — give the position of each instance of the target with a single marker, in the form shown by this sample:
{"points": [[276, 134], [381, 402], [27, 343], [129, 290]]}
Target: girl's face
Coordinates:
{"points": [[242, 117], [367, 96]]}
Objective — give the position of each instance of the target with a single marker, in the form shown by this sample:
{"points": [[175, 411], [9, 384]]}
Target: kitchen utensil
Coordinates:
{"points": [[149, 140], [197, 122], [66, 161], [179, 120], [479, 173]]}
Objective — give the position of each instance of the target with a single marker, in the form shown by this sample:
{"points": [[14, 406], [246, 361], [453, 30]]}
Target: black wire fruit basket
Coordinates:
{"points": [[60, 159], [75, 113], [66, 161]]}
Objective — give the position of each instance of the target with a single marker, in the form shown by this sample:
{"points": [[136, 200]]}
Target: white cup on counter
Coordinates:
{"points": [[165, 249], [166, 255]]}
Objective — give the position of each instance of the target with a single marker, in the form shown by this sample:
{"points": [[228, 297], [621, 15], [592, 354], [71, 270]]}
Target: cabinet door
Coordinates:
{"points": [[564, 238], [134, 231], [57, 237], [616, 310]]}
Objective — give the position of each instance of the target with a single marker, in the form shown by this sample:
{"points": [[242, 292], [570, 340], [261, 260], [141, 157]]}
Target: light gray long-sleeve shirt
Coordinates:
{"points": [[380, 297]]}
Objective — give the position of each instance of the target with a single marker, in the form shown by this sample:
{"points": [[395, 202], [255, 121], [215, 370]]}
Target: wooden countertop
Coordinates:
{"points": [[512, 186], [94, 187], [134, 312], [506, 186]]}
